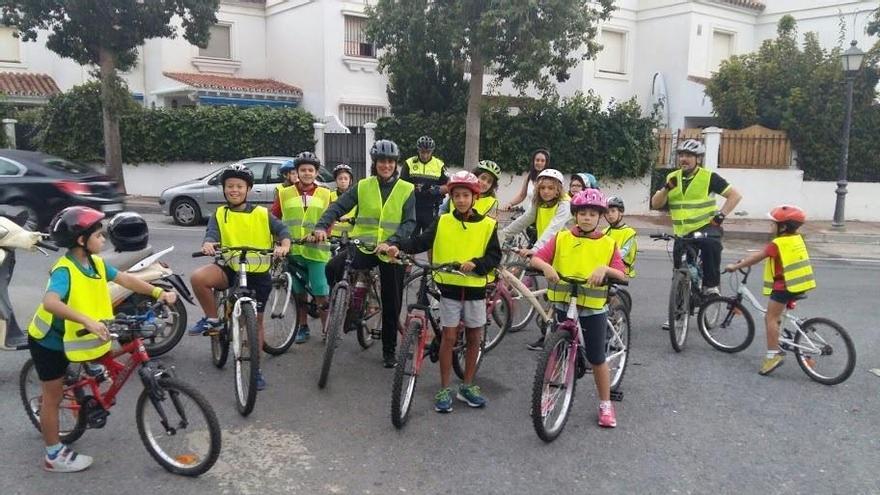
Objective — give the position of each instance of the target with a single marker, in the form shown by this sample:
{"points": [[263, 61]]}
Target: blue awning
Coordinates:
{"points": [[244, 102]]}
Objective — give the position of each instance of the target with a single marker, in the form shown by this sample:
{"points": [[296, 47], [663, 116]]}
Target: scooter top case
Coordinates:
{"points": [[123, 260]]}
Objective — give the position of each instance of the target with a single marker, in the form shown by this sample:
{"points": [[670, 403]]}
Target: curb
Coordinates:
{"points": [[143, 204]]}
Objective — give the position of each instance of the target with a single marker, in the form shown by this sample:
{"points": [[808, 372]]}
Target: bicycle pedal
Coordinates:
{"points": [[375, 334], [617, 395], [211, 333]]}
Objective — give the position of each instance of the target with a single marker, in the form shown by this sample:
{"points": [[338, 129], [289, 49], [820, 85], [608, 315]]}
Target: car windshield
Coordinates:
{"points": [[66, 166]]}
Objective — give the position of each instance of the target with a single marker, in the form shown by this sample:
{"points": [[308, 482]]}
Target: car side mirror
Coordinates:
{"points": [[213, 181]]}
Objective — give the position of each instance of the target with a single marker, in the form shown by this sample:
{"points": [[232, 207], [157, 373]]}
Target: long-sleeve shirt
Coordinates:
{"points": [[305, 193], [279, 231], [560, 218]]}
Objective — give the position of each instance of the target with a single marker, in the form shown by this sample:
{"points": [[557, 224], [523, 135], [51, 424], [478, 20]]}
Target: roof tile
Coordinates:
{"points": [[27, 84], [226, 83]]}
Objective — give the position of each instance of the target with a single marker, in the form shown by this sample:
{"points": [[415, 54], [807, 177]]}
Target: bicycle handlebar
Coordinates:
{"points": [[581, 281], [695, 236], [47, 245], [453, 267], [246, 249], [123, 324]]}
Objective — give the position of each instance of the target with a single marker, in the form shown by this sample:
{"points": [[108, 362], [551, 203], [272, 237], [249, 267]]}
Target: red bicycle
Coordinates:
{"points": [[176, 423]]}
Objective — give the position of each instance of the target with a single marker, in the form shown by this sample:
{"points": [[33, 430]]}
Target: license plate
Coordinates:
{"points": [[114, 207]]}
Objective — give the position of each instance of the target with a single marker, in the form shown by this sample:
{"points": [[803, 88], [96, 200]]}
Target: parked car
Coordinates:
{"points": [[194, 200], [42, 185]]}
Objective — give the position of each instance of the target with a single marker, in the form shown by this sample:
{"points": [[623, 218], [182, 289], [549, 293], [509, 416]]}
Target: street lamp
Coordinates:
{"points": [[851, 62]]}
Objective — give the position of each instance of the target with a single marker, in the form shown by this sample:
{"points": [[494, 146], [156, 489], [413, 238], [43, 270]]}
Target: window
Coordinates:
{"points": [[358, 115], [612, 58], [9, 169], [722, 49], [258, 168], [9, 45], [356, 43], [275, 174], [219, 46]]}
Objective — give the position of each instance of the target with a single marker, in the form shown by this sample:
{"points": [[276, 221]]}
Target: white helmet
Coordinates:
{"points": [[691, 146], [553, 174]]}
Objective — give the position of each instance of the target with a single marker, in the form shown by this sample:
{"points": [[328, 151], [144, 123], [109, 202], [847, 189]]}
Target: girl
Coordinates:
{"points": [[549, 211], [581, 181], [488, 173], [344, 177], [540, 160]]}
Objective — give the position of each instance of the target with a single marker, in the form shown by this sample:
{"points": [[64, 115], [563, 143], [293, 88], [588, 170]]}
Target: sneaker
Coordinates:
{"points": [[537, 345], [204, 326], [303, 335], [770, 364], [665, 325], [389, 360], [471, 395], [607, 418], [261, 382], [66, 461], [443, 401], [711, 291]]}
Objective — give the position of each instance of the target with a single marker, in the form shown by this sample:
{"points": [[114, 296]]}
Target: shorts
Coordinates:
{"points": [[49, 363], [314, 272], [595, 329], [784, 296], [471, 313], [260, 283]]}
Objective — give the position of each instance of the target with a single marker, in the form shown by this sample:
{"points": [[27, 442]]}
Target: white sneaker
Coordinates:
{"points": [[67, 461]]}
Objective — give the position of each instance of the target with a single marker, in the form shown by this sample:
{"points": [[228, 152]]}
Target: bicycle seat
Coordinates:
{"points": [[123, 260]]}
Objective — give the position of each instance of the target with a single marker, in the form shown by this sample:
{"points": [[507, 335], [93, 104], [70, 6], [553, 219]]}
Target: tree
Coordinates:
{"points": [[106, 33], [528, 43]]}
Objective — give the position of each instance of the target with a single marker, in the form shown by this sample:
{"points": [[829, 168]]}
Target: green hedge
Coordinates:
{"points": [[582, 134]]}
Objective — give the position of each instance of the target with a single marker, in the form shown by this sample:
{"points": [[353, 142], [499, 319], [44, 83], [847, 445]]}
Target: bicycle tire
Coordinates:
{"points": [[620, 326], [499, 318], [550, 355], [248, 352], [282, 321], [626, 299], [848, 346], [220, 340], [459, 354], [335, 320], [409, 294], [171, 332], [78, 427], [731, 308], [522, 321], [364, 334], [406, 374], [679, 301], [176, 464]]}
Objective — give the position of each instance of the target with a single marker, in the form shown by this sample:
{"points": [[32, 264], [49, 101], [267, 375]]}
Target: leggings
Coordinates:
{"points": [[595, 333]]}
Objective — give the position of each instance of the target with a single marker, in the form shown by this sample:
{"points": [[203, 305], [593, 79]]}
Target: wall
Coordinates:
{"points": [[150, 179]]}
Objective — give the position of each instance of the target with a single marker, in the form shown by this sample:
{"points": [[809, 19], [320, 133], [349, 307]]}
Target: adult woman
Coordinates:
{"points": [[540, 160]]}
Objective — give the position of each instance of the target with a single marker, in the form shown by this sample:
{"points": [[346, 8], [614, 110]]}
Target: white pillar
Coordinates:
{"points": [[712, 141], [370, 134], [9, 129], [319, 139]]}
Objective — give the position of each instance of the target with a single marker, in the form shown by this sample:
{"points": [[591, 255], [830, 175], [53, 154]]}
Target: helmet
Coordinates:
{"points": [[491, 167], [237, 171], [384, 148], [691, 146], [589, 180], [425, 143], [466, 179], [306, 157], [788, 214], [342, 168], [553, 174], [616, 202], [128, 231], [589, 198], [286, 167], [72, 222]]}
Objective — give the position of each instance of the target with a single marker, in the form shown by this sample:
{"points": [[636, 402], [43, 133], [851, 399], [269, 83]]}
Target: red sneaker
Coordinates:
{"points": [[607, 418]]}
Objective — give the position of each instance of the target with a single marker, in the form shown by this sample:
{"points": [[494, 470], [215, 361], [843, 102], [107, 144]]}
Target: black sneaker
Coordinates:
{"points": [[537, 345], [389, 360]]}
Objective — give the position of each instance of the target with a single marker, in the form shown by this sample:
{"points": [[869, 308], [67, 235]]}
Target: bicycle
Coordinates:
{"points": [[418, 343], [685, 293], [179, 415], [560, 365], [811, 346], [237, 311]]}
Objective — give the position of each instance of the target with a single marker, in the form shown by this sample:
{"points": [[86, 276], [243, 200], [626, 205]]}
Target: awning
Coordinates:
{"points": [[23, 87], [207, 89]]}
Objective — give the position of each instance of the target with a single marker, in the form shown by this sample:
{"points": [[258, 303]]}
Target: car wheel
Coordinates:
{"points": [[186, 212]]}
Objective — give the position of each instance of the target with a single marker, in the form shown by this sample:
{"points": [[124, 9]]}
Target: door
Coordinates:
{"points": [[348, 149]]}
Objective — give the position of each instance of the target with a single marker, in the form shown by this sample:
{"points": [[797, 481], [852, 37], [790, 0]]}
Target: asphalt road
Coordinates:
{"points": [[695, 422]]}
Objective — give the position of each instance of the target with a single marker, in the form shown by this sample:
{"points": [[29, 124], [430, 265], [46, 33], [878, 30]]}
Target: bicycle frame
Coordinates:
{"points": [[119, 373], [522, 290]]}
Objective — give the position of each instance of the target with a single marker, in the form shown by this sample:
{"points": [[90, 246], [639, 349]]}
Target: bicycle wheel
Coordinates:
{"points": [[170, 321], [406, 374], [371, 319], [523, 312], [825, 351], [281, 312], [498, 317], [553, 387], [617, 344], [726, 324], [246, 352], [220, 340], [410, 294], [625, 299], [178, 427], [71, 424], [679, 309], [459, 354], [335, 321]]}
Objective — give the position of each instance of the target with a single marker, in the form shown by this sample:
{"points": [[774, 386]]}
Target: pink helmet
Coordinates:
{"points": [[465, 179], [589, 198]]}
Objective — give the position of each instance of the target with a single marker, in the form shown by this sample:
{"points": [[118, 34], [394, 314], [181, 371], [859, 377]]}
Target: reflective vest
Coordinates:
{"points": [[621, 236], [375, 221], [457, 241], [301, 221], [578, 257], [796, 268], [240, 228], [693, 208], [340, 227], [543, 218], [484, 205], [88, 295], [424, 171]]}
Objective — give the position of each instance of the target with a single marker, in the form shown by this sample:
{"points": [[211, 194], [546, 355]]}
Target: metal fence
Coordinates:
{"points": [[349, 149]]}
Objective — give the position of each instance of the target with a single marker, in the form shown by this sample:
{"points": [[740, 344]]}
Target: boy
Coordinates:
{"points": [[467, 237], [787, 275], [343, 176], [238, 223], [76, 297], [623, 234]]}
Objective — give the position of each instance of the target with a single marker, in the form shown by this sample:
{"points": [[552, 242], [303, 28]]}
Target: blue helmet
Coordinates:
{"points": [[286, 167], [589, 180]]}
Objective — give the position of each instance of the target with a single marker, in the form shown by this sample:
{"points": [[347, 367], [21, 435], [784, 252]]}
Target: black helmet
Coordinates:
{"points": [[128, 231], [616, 202], [306, 157], [425, 143], [384, 148], [72, 222], [342, 168], [237, 171]]}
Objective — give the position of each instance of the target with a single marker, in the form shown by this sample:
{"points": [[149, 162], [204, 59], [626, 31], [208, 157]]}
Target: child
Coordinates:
{"points": [[581, 181], [585, 253], [288, 175], [344, 178], [467, 237], [549, 211], [488, 173], [76, 297], [787, 275], [238, 223], [623, 234]]}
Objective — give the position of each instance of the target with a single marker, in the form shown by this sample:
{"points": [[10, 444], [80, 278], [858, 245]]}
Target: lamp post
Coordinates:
{"points": [[851, 61]]}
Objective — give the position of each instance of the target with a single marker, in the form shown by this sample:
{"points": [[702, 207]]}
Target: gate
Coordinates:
{"points": [[349, 149]]}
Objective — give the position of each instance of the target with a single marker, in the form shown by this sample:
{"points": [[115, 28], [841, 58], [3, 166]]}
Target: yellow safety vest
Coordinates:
{"points": [[457, 241], [340, 227], [88, 295], [428, 171], [621, 236], [543, 218], [483, 205], [578, 257], [693, 208], [239, 228], [375, 221], [796, 268], [301, 221]]}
